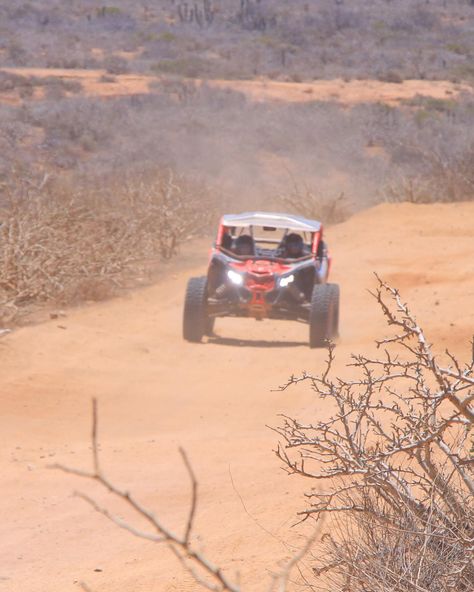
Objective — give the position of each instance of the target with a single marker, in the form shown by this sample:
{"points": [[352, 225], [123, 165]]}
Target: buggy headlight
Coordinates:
{"points": [[235, 278], [284, 281]]}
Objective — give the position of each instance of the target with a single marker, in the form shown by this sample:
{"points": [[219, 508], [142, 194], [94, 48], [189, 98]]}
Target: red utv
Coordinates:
{"points": [[265, 265]]}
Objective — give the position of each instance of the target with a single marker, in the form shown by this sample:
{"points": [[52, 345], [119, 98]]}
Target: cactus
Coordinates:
{"points": [[209, 11], [250, 16], [202, 14], [183, 12]]}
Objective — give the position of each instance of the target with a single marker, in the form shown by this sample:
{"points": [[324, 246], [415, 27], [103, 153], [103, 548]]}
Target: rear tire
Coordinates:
{"points": [[324, 315], [195, 317]]}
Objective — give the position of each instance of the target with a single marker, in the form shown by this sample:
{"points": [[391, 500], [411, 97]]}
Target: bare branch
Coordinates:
{"points": [[281, 580], [194, 486], [181, 546], [397, 441]]}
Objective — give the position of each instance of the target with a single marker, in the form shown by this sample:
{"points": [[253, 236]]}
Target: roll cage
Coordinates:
{"points": [[261, 226]]}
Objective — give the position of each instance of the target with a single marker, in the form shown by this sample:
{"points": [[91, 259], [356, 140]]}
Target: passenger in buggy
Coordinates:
{"points": [[244, 246]]}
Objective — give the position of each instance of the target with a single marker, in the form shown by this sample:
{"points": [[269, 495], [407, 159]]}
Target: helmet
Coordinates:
{"points": [[294, 245], [244, 245]]}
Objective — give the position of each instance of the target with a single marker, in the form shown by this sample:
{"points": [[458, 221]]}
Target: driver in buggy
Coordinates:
{"points": [[294, 247]]}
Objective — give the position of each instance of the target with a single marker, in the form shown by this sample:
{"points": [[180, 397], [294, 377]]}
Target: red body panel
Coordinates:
{"points": [[317, 236], [260, 267], [260, 279]]}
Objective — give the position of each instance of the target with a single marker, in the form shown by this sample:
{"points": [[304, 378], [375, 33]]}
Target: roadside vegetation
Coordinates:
{"points": [[66, 243], [392, 465]]}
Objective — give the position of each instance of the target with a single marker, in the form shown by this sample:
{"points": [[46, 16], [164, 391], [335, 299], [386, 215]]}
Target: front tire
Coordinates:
{"points": [[195, 319], [324, 315], [335, 324], [210, 322]]}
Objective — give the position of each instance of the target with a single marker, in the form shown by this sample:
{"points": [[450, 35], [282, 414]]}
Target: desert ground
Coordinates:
{"points": [[157, 392], [96, 83]]}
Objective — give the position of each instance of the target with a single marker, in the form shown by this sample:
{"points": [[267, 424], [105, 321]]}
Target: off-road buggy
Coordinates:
{"points": [[265, 265]]}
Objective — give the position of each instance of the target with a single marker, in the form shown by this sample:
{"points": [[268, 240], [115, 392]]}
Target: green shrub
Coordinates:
{"points": [[458, 48], [168, 37], [108, 11], [430, 104], [390, 76], [191, 67]]}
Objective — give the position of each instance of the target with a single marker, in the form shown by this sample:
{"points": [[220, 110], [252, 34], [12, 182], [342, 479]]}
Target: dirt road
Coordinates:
{"points": [[348, 92], [157, 393]]}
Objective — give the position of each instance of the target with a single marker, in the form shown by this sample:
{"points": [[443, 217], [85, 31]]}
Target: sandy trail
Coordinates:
{"points": [[157, 392], [348, 92]]}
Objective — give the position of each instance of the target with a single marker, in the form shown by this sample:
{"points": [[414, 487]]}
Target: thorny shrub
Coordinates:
{"points": [[396, 456], [69, 244], [308, 202], [445, 177]]}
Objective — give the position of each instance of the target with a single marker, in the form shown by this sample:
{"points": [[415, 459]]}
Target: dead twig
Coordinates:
{"points": [[204, 571], [398, 460]]}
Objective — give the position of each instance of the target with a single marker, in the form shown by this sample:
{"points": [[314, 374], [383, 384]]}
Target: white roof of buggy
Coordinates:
{"points": [[271, 219]]}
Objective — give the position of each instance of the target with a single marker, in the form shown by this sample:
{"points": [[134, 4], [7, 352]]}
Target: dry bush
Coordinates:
{"points": [[409, 189], [198, 128], [390, 76], [376, 549], [10, 81], [68, 244], [412, 39], [431, 151], [115, 64], [314, 205], [396, 457], [447, 177]]}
